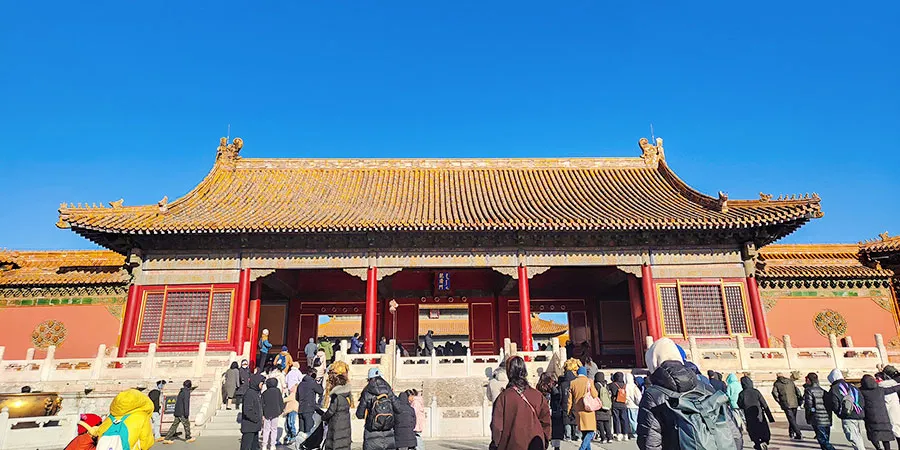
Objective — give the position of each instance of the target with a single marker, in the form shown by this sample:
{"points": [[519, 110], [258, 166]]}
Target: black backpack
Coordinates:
{"points": [[380, 416]]}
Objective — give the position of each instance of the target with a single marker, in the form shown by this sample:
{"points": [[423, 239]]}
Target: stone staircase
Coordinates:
{"points": [[224, 423]]}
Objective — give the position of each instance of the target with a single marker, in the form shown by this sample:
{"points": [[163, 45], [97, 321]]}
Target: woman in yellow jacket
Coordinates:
{"points": [[138, 407], [586, 420]]}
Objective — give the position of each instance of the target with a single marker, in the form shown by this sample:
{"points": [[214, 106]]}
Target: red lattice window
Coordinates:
{"points": [[671, 312], [737, 315], [704, 312], [153, 307], [190, 316]]}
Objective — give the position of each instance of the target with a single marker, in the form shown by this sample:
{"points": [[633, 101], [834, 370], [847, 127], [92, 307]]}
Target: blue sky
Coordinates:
{"points": [[108, 100]]}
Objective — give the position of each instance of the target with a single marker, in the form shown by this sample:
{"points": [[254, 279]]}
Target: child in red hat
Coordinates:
{"points": [[87, 433]]}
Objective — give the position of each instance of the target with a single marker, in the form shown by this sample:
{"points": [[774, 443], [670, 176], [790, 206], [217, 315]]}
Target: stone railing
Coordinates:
{"points": [[36, 432], [147, 366], [787, 358], [417, 367]]}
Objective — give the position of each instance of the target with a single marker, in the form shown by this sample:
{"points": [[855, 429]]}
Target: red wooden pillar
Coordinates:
{"points": [[129, 321], [241, 305], [759, 317], [369, 334], [253, 321], [634, 298], [525, 310], [651, 308]]}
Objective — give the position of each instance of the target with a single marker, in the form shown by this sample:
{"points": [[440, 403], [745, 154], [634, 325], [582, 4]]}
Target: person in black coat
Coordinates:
{"points": [[252, 413], [182, 414], [621, 423], [404, 423], [570, 426], [757, 414], [715, 379], [604, 414], [549, 386], [306, 394], [273, 407], [337, 417], [243, 380], [818, 414], [878, 423], [429, 343], [372, 439]]}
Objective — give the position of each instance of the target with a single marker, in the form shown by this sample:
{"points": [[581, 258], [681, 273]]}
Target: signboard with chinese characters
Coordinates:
{"points": [[442, 282]]}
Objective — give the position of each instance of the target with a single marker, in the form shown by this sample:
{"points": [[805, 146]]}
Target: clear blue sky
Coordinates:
{"points": [[102, 100]]}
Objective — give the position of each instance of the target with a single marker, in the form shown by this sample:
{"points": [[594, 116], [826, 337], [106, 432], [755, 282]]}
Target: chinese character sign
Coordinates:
{"points": [[442, 282]]}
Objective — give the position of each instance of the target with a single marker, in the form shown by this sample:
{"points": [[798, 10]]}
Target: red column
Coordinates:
{"points": [[129, 321], [525, 310], [651, 309], [634, 297], [369, 334], [255, 301], [759, 317], [241, 305]]}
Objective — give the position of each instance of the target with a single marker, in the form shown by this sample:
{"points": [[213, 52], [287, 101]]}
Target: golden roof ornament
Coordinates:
{"points": [[229, 151], [117, 204], [884, 236], [652, 154], [163, 205], [722, 202], [764, 198]]}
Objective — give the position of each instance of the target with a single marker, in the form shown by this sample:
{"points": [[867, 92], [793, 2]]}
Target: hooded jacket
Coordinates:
{"points": [[337, 417], [756, 412], [733, 390], [272, 400], [497, 384], [306, 394], [404, 422], [232, 380], [632, 392], [375, 440], [244, 377], [183, 403], [893, 406], [618, 383], [564, 386], [786, 393], [604, 413], [815, 405], [878, 422], [840, 389], [251, 408], [138, 408]]}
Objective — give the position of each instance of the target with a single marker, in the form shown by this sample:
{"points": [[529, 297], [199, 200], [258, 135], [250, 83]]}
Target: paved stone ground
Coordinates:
{"points": [[779, 442]]}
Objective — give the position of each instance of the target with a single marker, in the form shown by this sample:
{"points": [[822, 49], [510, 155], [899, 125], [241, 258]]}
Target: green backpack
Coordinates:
{"points": [[703, 419], [604, 395]]}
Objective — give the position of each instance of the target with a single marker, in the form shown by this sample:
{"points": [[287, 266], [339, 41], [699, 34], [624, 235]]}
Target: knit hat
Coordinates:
{"points": [[661, 350], [88, 424], [582, 371], [374, 373], [284, 348]]}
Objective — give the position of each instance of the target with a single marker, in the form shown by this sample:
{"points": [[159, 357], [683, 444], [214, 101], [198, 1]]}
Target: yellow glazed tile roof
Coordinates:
{"points": [[61, 267], [884, 244], [357, 195], [817, 261]]}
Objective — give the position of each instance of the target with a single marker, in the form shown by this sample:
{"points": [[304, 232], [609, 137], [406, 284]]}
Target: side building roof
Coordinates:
{"points": [[61, 268], [818, 264]]}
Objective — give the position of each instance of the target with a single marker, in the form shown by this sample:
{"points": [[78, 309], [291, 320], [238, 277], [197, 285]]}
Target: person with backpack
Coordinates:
{"points": [[788, 396], [583, 405], [889, 379], [376, 406], [878, 422], [337, 417], [252, 413], [272, 407], [818, 416], [156, 418], [604, 414], [283, 360], [848, 405], [521, 416], [307, 392], [263, 347], [404, 423], [182, 414], [621, 425], [663, 424], [632, 400], [127, 427], [756, 413]]}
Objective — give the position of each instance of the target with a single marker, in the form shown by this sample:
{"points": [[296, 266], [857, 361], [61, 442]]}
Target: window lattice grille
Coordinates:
{"points": [[186, 315], [704, 313], [153, 306], [736, 313], [219, 316], [671, 311]]}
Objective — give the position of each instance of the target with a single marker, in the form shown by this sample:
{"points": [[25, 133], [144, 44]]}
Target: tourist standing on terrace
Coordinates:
{"points": [[264, 346], [355, 344], [429, 343], [310, 352], [521, 415]]}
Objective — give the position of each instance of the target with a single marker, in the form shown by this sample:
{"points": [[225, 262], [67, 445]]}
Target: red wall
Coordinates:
{"points": [[795, 316], [87, 327]]}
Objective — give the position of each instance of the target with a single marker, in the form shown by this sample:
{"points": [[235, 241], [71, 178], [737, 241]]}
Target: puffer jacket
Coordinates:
{"points": [[632, 393], [656, 429], [786, 393], [375, 440], [404, 422], [893, 406], [564, 386], [138, 408], [878, 422], [337, 417], [251, 408], [840, 388], [817, 411]]}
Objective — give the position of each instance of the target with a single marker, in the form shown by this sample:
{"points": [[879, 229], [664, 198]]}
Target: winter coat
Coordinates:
{"points": [[786, 393], [382, 346], [815, 406], [878, 422], [592, 370], [244, 377], [183, 403], [293, 378], [719, 385], [836, 393], [264, 345], [604, 413], [656, 429], [310, 350], [322, 361], [272, 400], [337, 417], [155, 397], [283, 361], [404, 422], [290, 402], [429, 344], [733, 390], [232, 381], [756, 412], [328, 348], [306, 394], [355, 345], [251, 407], [893, 406], [517, 426], [580, 387], [497, 384], [418, 405], [375, 440], [564, 385], [632, 393], [138, 408], [618, 382], [558, 413]]}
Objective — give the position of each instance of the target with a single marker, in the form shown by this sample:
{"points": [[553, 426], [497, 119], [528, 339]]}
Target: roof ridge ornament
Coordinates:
{"points": [[230, 151], [722, 202], [163, 204], [652, 154]]}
